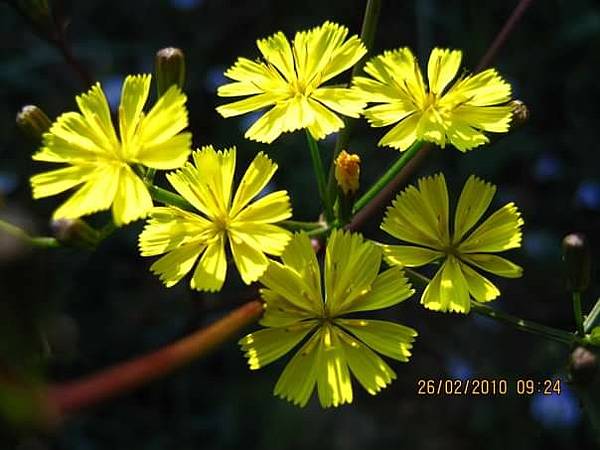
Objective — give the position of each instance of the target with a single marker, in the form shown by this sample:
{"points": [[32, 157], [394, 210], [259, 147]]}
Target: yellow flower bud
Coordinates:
{"points": [[347, 172]]}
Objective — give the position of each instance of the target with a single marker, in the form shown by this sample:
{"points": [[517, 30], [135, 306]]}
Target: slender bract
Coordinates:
{"points": [[299, 308], [290, 80], [440, 112], [100, 163], [420, 216], [248, 226]]}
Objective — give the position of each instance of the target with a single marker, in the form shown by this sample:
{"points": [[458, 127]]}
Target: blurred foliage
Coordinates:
{"points": [[68, 313]]}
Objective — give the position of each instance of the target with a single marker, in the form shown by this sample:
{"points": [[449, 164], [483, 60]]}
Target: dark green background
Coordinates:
{"points": [[94, 309]]}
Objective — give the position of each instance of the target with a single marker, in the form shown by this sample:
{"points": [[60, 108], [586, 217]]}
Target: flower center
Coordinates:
{"points": [[298, 88], [430, 100], [222, 222]]}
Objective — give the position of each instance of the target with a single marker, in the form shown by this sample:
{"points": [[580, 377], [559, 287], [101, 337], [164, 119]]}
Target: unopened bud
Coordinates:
{"points": [[169, 68], [75, 233], [576, 257], [520, 113], [583, 365], [347, 172], [33, 122]]}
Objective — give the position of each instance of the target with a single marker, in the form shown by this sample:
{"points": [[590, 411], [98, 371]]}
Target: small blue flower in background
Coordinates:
{"points": [[556, 411], [547, 168], [458, 368], [215, 77], [185, 5], [588, 194], [248, 120], [112, 89]]}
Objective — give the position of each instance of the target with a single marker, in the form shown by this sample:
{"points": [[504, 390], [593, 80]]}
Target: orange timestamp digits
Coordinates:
{"points": [[487, 386]]}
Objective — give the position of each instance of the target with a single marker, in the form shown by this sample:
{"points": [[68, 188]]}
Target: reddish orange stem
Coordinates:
{"points": [[75, 395]]}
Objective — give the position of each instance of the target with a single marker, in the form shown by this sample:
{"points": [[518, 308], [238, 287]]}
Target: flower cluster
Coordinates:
{"points": [[205, 219]]}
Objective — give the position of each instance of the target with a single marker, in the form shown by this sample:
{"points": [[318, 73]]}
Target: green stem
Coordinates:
{"points": [[553, 334], [320, 174], [383, 181], [592, 318], [367, 35], [297, 225], [34, 241], [577, 313], [169, 198]]}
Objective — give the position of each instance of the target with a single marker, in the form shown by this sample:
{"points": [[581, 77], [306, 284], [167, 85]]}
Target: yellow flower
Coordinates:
{"points": [[420, 216], [440, 113], [101, 161], [347, 172], [296, 308], [290, 80], [249, 227]]}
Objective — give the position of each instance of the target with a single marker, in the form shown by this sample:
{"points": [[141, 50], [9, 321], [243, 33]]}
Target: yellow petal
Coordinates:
{"points": [[409, 255], [402, 135], [94, 106], [325, 123], [54, 182], [501, 231], [273, 207], [258, 174], [249, 104], [248, 256], [252, 74], [389, 288], [482, 89], [412, 219], [369, 369], [95, 195], [494, 264], [388, 113], [448, 290], [351, 266], [276, 50], [473, 202], [488, 118], [265, 346], [132, 199], [166, 119], [270, 239], [133, 97], [434, 193], [442, 67], [211, 270], [482, 289], [388, 338], [170, 154], [170, 227], [344, 57], [297, 381], [269, 126], [342, 100], [333, 377], [172, 267], [464, 137], [279, 312]]}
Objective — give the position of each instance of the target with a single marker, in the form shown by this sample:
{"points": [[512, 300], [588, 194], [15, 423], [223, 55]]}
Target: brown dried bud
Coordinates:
{"points": [[577, 260], [170, 69], [520, 113], [75, 233], [33, 123], [583, 365], [347, 172]]}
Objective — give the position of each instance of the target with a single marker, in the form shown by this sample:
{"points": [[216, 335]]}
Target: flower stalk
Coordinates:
{"points": [[320, 175]]}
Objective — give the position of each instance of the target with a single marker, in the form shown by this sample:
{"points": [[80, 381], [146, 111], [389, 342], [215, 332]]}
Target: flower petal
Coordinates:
{"points": [[249, 104], [300, 256], [489, 118], [265, 346], [464, 137], [388, 113], [403, 135], [273, 207], [409, 255], [172, 267], [257, 77], [269, 126], [96, 194], [333, 377], [54, 182], [277, 51], [482, 289], [342, 100], [411, 217], [170, 154], [494, 264], [388, 338], [442, 67], [279, 312], [343, 57], [389, 288], [474, 200], [248, 256], [351, 266], [482, 89], [132, 199], [211, 270], [369, 369], [325, 123], [94, 106], [133, 97], [297, 381], [258, 174], [501, 231], [270, 239], [435, 194], [448, 290], [171, 227]]}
